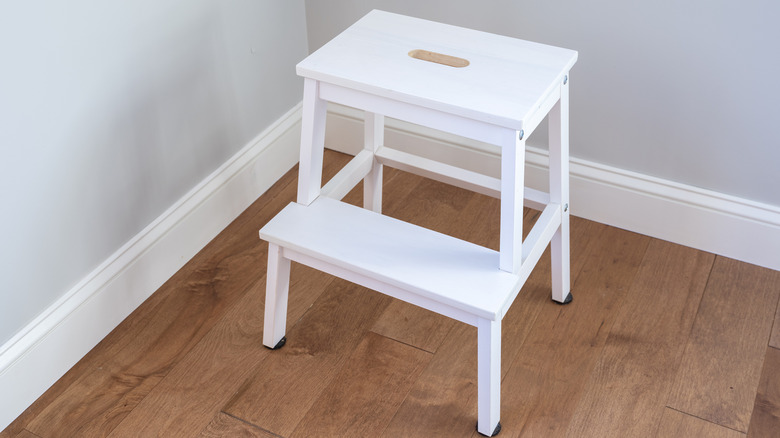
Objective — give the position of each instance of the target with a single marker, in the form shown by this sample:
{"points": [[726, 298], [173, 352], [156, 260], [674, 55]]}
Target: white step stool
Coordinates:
{"points": [[481, 86]]}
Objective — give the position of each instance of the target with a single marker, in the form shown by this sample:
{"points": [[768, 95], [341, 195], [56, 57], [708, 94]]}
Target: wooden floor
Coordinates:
{"points": [[660, 340]]}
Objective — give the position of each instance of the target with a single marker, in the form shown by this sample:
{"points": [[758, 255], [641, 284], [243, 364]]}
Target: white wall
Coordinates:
{"points": [[111, 111], [684, 91]]}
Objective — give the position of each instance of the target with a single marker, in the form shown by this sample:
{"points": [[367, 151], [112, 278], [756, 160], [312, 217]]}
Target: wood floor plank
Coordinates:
{"points": [[17, 427], [549, 374], [144, 347], [469, 217], [281, 390], [224, 425], [412, 199], [176, 388], [187, 307], [413, 325], [178, 406], [537, 291], [765, 420], [101, 398], [722, 363], [367, 391], [676, 424], [70, 405], [443, 401], [590, 368], [774, 339], [627, 391], [432, 205]]}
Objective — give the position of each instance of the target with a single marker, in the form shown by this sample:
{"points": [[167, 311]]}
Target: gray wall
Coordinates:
{"points": [[685, 91], [111, 111]]}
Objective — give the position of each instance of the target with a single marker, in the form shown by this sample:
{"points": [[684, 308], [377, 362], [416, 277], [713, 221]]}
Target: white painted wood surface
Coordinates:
{"points": [[488, 375], [277, 285], [439, 267], [558, 127], [349, 176], [439, 171], [443, 121], [726, 225], [345, 180], [373, 139], [512, 184], [504, 84], [312, 142], [493, 88], [386, 288]]}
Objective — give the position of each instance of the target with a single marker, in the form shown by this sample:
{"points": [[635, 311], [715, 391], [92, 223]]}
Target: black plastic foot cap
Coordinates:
{"points": [[279, 344], [566, 300], [495, 431]]}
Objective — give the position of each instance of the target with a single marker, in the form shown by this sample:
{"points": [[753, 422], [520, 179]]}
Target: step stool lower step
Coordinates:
{"points": [[436, 271]]}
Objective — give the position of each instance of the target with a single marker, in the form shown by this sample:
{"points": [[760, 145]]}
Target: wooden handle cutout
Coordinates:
{"points": [[439, 58]]}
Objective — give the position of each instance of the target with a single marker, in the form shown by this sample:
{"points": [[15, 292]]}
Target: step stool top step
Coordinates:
{"points": [[422, 62], [421, 261]]}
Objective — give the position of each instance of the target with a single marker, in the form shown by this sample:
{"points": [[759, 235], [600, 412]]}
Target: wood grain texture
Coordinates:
{"points": [[109, 381], [102, 398], [774, 339], [182, 412], [593, 358], [224, 425], [24, 433], [435, 206], [167, 327], [413, 325], [281, 390], [367, 391], [522, 315], [721, 367], [17, 427], [547, 379], [221, 361], [439, 58], [676, 424], [448, 362], [443, 402], [765, 421], [626, 393]]}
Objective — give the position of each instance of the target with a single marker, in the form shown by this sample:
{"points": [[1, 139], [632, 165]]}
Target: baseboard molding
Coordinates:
{"points": [[42, 352], [694, 217]]}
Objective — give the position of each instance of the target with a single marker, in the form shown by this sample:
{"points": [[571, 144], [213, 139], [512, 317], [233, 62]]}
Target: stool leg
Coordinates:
{"points": [[374, 133], [559, 194], [277, 285], [488, 377], [313, 117], [512, 184]]}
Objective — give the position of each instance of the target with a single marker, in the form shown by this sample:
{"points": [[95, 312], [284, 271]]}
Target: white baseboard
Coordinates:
{"points": [[694, 217], [42, 352]]}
